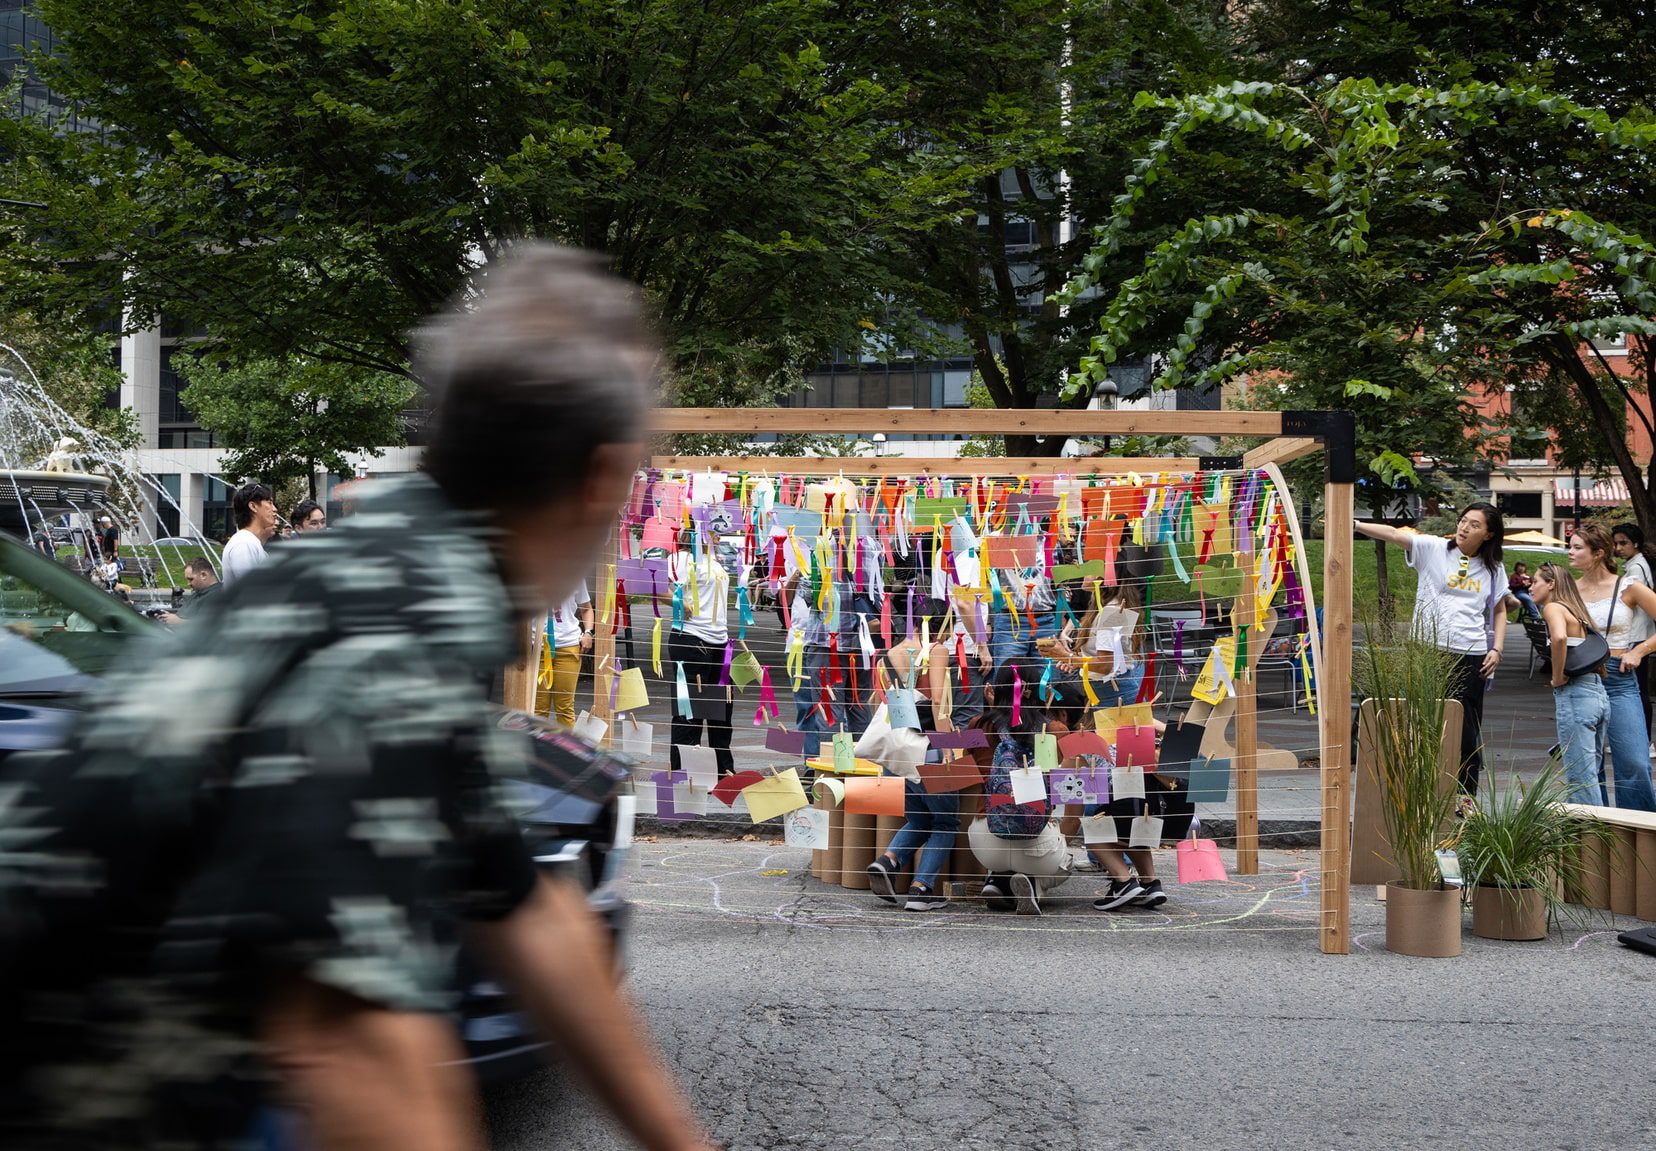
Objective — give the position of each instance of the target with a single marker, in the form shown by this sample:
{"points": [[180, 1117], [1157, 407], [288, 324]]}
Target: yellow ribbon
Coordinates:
{"points": [[655, 645]]}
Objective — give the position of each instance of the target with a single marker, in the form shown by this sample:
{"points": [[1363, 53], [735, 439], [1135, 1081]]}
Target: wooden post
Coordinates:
{"points": [[1334, 705], [1247, 734], [518, 690], [603, 636]]}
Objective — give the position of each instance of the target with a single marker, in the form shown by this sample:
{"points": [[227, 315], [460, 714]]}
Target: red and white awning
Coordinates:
{"points": [[1594, 493]]}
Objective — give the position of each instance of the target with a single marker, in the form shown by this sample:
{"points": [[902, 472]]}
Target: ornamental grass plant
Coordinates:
{"points": [[1409, 677], [1522, 837]]}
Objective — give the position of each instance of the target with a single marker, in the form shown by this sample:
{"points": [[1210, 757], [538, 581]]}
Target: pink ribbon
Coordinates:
{"points": [[767, 699], [1017, 697]]}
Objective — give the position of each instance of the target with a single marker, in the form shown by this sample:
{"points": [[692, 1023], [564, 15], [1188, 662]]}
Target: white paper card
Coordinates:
{"points": [[1147, 831], [626, 818], [645, 790], [590, 728], [637, 739], [807, 827], [1126, 783], [1028, 785], [1100, 828], [688, 799], [701, 764]]}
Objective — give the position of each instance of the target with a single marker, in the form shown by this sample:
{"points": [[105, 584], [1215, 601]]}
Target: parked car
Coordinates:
{"points": [[59, 633]]}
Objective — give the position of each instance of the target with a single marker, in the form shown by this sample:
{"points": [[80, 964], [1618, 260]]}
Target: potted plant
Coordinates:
{"points": [[1514, 848], [1409, 678]]}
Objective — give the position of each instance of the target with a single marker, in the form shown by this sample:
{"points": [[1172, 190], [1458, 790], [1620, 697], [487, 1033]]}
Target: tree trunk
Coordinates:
{"points": [[1641, 488], [1381, 574]]}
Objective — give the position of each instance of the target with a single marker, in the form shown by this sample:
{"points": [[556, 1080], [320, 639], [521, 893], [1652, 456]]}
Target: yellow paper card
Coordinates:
{"points": [[1209, 688], [630, 693], [778, 795]]}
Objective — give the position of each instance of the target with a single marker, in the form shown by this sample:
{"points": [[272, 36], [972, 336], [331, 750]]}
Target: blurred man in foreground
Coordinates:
{"points": [[240, 888]]}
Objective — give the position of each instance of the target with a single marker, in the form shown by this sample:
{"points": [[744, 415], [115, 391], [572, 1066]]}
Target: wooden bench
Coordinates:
{"points": [[1619, 876]]}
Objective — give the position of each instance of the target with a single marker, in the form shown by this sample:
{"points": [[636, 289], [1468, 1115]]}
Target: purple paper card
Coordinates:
{"points": [[1079, 785], [664, 781], [786, 742], [958, 740], [636, 574]]}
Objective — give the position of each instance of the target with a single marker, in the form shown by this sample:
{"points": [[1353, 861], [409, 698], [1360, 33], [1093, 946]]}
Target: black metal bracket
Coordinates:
{"points": [[1219, 463], [1338, 432]]}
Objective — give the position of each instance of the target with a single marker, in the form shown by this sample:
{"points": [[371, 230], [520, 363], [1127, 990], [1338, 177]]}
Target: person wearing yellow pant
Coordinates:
{"points": [[570, 631]]}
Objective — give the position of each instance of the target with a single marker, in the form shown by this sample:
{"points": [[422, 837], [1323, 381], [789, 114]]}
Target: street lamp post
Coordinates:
{"points": [[1105, 395]]}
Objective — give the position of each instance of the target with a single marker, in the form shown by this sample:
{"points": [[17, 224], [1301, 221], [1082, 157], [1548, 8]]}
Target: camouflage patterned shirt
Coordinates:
{"points": [[304, 781]]}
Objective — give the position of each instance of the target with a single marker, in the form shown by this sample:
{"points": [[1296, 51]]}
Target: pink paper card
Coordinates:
{"points": [[1083, 743], [1136, 747], [1199, 861]]}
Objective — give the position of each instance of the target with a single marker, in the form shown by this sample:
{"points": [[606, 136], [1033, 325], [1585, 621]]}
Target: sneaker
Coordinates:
{"points": [[880, 874], [919, 899], [1150, 894], [1023, 891], [995, 893], [1121, 893]]}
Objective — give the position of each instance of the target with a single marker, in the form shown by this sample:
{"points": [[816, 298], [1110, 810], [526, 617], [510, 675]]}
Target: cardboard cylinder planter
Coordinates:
{"points": [[1509, 913], [1425, 923]]}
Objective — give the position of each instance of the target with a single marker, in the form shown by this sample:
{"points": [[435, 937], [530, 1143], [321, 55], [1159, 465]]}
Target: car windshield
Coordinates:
{"points": [[46, 641]]}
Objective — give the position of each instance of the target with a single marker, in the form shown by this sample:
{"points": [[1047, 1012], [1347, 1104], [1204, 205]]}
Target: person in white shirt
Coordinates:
{"points": [[569, 630], [1460, 601], [1629, 540], [255, 511], [698, 645]]}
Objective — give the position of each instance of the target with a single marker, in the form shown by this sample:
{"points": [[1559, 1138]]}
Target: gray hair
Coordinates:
{"points": [[549, 357]]}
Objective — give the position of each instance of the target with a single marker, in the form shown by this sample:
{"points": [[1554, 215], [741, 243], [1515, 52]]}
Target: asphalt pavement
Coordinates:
{"points": [[806, 1016]]}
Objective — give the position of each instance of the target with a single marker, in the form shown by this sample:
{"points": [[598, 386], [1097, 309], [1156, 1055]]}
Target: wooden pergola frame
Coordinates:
{"points": [[1286, 436]]}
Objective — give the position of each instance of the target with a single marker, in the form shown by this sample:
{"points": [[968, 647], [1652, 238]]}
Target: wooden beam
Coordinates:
{"points": [[966, 421], [603, 641], [1280, 451], [1334, 702], [1247, 732], [518, 688], [928, 466]]}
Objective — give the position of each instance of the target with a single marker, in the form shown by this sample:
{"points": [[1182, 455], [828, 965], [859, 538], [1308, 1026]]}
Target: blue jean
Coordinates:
{"points": [[1583, 712], [929, 825], [1629, 740], [1006, 645], [1528, 604], [848, 712], [1123, 689]]}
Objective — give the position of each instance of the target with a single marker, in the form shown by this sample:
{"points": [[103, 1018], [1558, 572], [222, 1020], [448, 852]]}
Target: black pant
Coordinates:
{"points": [[709, 703], [1466, 684]]}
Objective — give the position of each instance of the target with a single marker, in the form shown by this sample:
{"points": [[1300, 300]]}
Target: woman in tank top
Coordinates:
{"points": [[1621, 609], [1580, 705]]}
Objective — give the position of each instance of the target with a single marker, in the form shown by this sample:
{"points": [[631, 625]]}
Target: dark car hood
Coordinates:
{"points": [[27, 725]]}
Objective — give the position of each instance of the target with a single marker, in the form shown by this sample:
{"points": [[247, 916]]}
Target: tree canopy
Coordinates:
{"points": [[308, 180]]}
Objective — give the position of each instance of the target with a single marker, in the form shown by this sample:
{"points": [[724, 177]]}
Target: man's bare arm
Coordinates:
{"points": [[365, 1078], [553, 953]]}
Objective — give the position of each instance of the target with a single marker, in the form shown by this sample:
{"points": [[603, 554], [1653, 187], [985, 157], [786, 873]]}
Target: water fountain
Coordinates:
{"points": [[57, 473]]}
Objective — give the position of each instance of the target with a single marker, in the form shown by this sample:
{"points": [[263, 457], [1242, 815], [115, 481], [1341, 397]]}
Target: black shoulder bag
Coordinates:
{"points": [[1591, 652]]}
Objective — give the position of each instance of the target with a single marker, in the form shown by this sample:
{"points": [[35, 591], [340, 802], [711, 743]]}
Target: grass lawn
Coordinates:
{"points": [[1365, 580]]}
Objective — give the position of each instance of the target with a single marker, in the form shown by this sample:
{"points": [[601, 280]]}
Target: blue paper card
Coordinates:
{"points": [[901, 710], [1210, 780]]}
